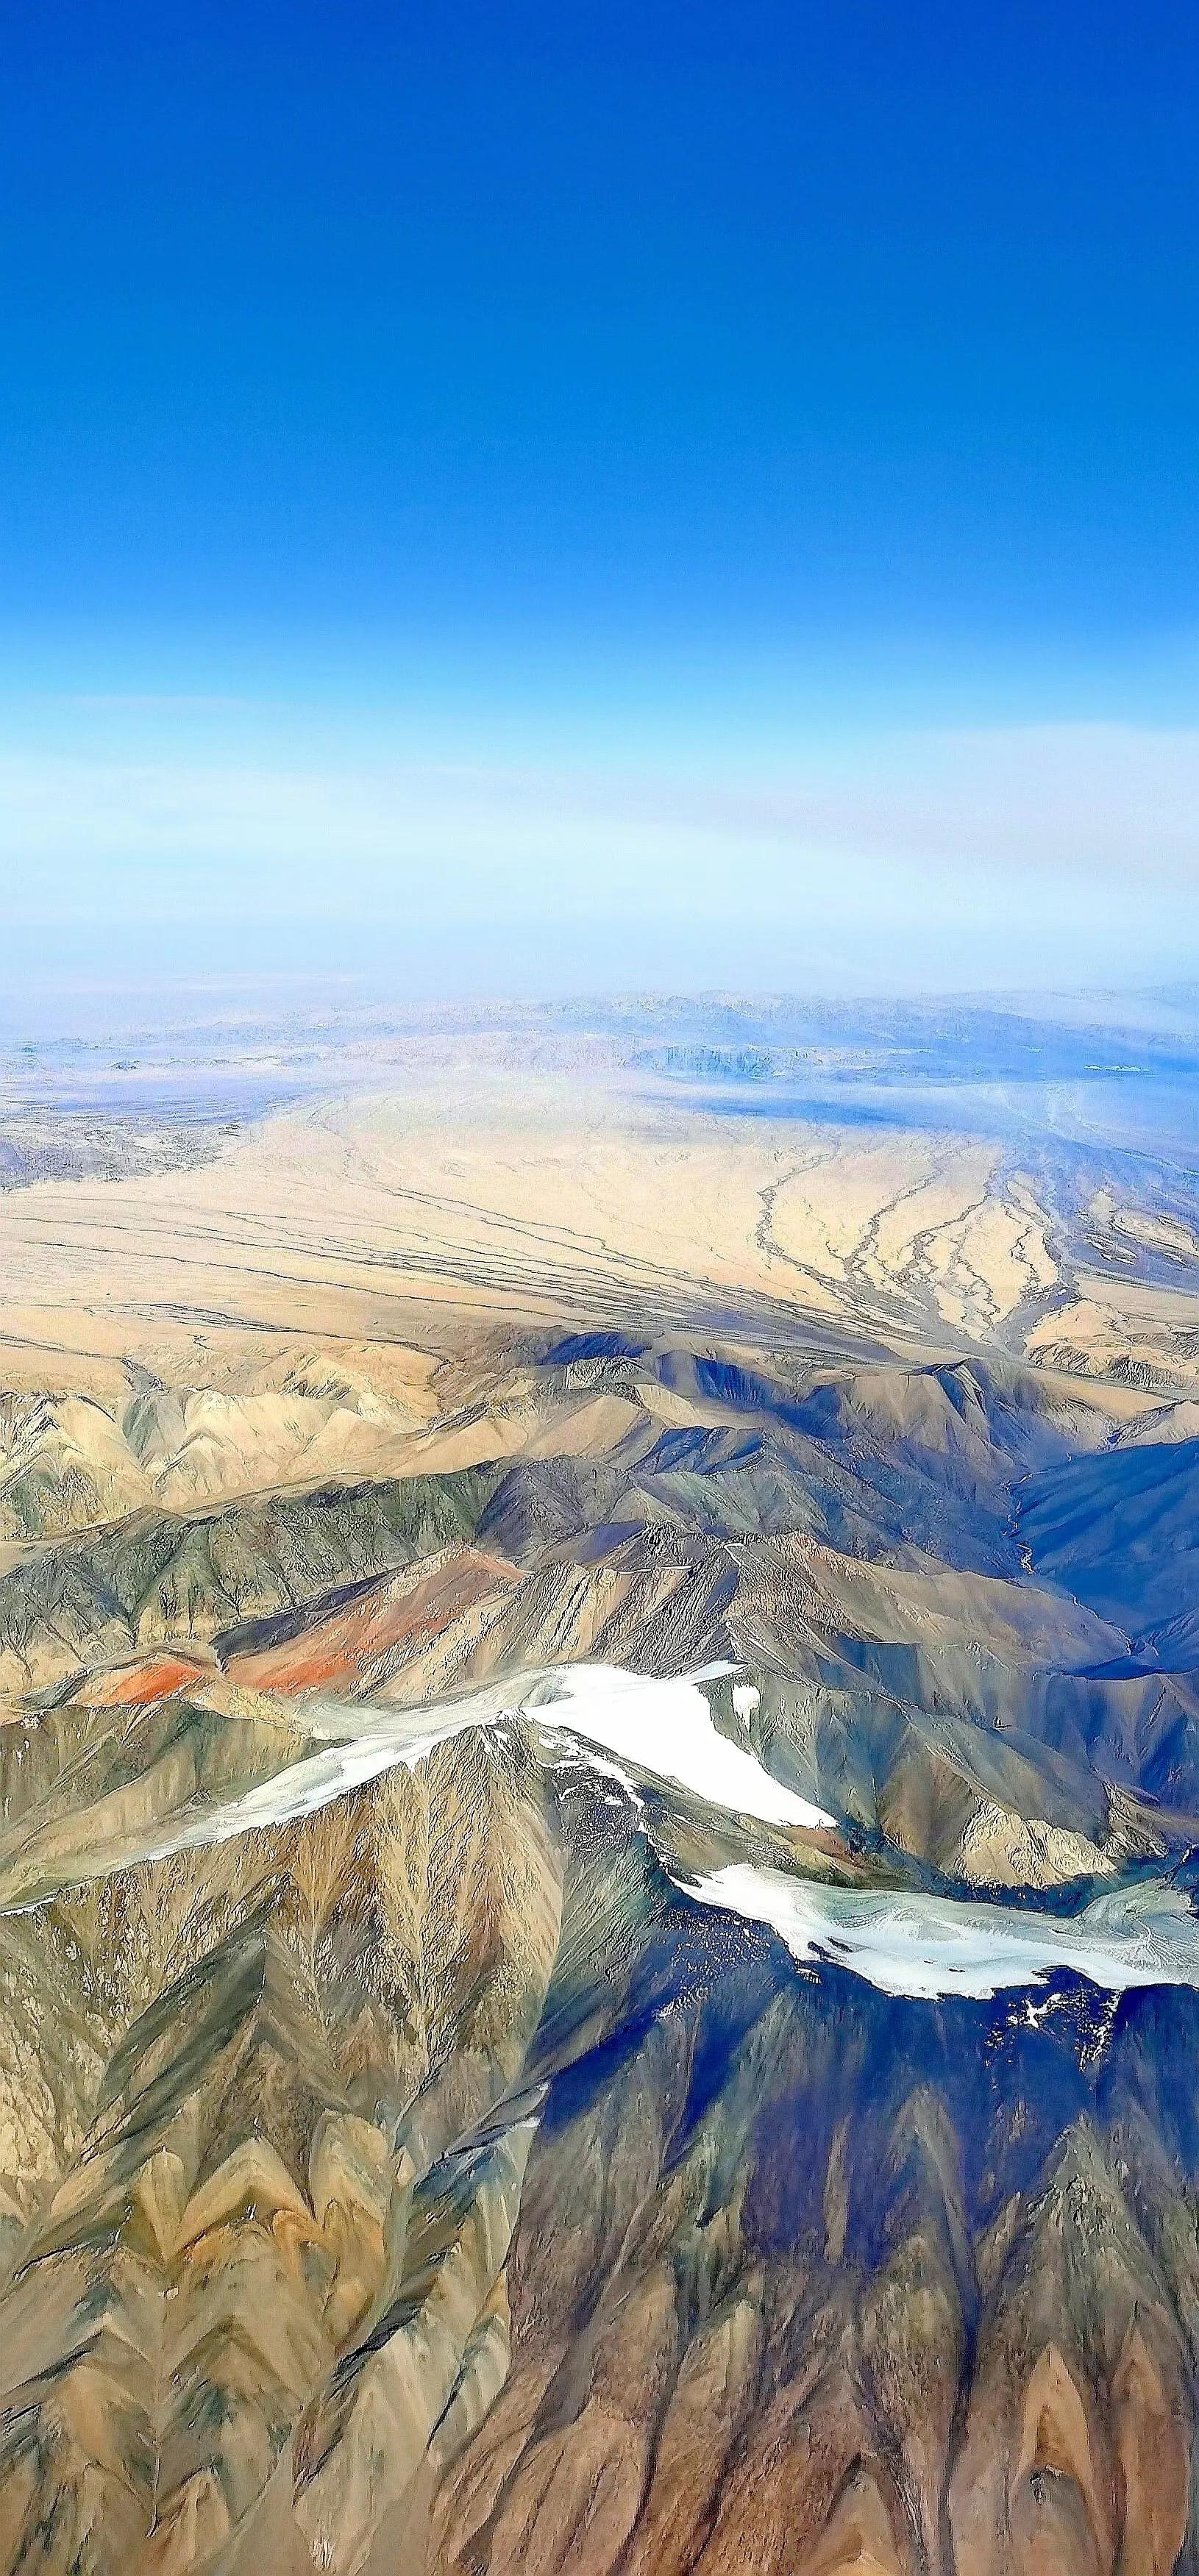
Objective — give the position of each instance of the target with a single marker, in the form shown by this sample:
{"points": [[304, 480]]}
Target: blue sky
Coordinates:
{"points": [[530, 493]]}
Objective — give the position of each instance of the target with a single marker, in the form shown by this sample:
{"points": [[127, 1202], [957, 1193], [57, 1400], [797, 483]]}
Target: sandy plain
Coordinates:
{"points": [[472, 1200]]}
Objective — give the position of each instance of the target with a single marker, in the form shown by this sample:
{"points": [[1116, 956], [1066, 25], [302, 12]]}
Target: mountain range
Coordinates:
{"points": [[600, 1805]]}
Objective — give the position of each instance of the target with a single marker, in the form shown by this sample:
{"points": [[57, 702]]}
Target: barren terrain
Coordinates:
{"points": [[600, 1769]]}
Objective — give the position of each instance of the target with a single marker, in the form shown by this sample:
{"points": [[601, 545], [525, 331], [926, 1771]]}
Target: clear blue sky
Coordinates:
{"points": [[702, 392]]}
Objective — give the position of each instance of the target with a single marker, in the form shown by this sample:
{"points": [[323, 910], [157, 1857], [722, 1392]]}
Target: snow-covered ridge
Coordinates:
{"points": [[625, 1724], [640, 1729]]}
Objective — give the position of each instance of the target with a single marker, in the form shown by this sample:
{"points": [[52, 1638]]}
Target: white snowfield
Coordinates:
{"points": [[640, 1724], [667, 1728], [930, 1946]]}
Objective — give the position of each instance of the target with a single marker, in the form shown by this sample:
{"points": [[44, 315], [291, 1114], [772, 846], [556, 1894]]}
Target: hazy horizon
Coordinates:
{"points": [[529, 505]]}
